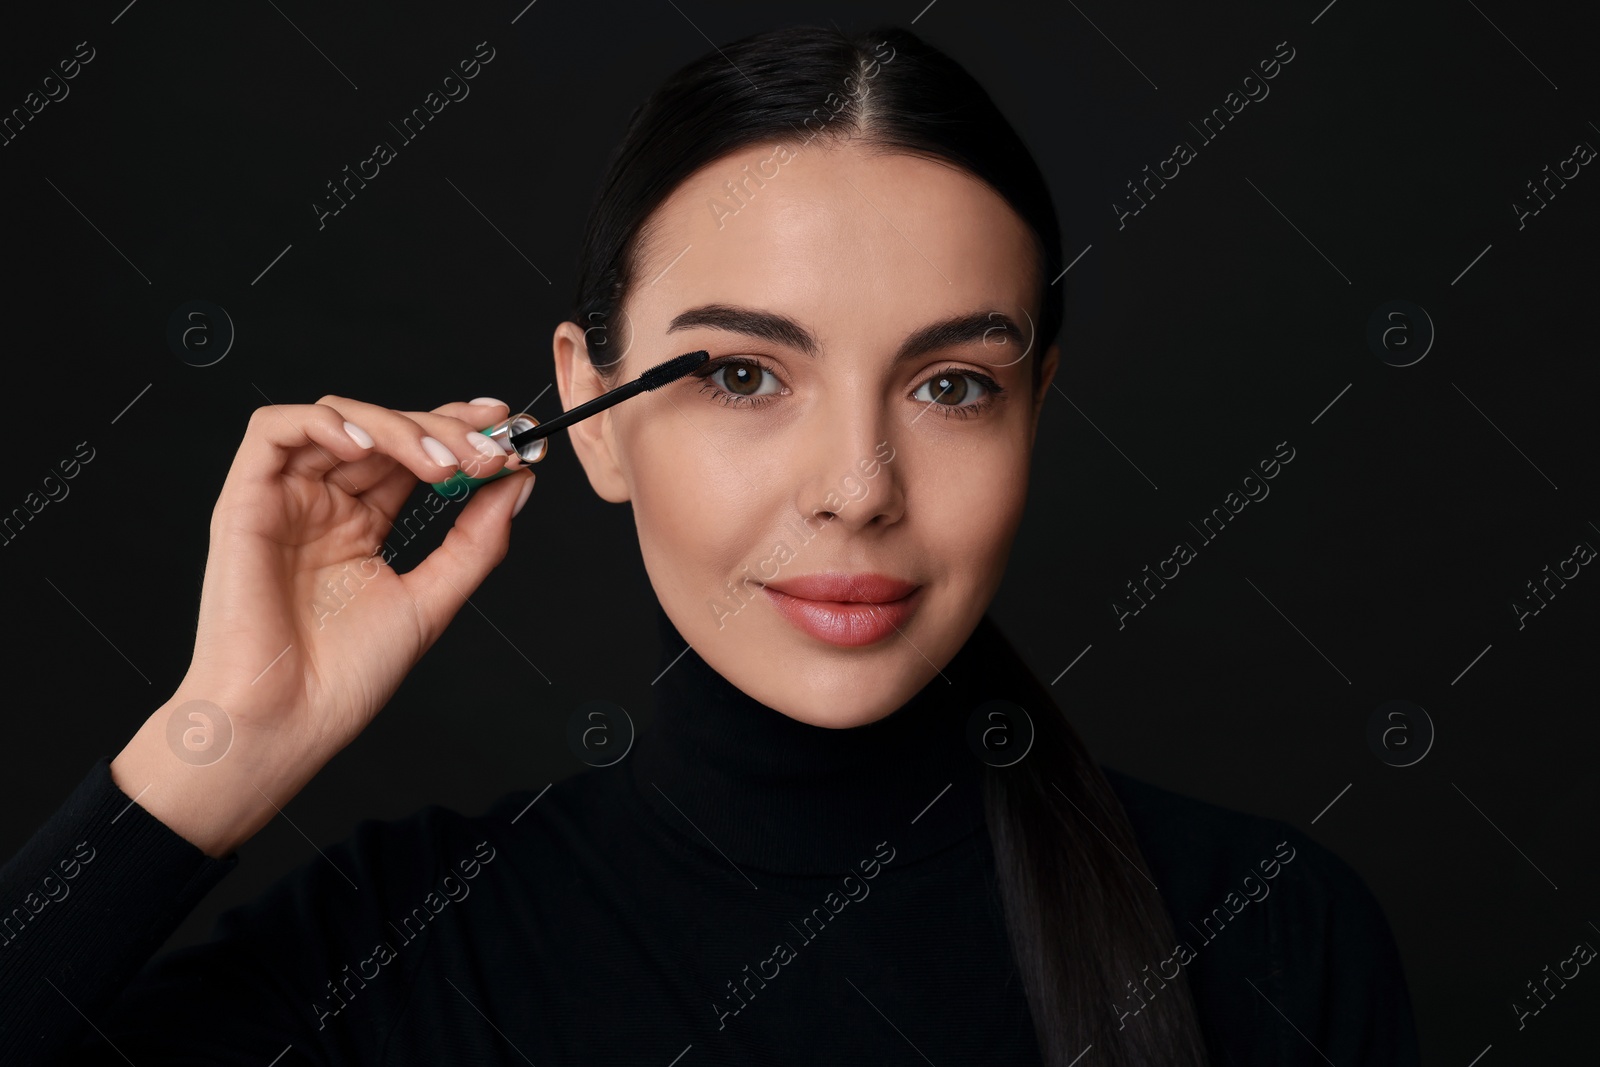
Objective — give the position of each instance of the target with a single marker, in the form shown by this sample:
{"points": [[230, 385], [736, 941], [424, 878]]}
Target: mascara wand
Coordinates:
{"points": [[524, 436]]}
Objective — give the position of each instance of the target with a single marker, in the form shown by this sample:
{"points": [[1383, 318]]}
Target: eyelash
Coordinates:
{"points": [[992, 388]]}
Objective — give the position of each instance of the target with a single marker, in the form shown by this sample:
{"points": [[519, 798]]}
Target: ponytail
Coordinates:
{"points": [[1087, 924]]}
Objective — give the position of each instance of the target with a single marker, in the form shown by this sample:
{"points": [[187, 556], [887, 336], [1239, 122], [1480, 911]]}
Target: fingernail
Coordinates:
{"points": [[482, 443], [522, 497], [488, 401], [437, 451], [358, 435]]}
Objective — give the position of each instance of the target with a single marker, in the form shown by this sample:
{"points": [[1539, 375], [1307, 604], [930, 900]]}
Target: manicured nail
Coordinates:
{"points": [[358, 435], [482, 443], [522, 497], [437, 451], [489, 401]]}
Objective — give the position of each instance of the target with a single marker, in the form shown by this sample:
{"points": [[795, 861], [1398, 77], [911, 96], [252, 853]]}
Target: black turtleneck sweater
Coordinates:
{"points": [[742, 888]]}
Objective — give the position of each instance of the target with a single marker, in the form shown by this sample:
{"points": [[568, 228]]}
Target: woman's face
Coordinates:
{"points": [[785, 504]]}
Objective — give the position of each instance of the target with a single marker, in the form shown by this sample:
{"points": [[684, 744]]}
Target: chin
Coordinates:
{"points": [[839, 711], [839, 701]]}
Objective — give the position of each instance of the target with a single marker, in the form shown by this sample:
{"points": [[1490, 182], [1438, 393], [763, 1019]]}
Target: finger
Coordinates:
{"points": [[390, 489], [279, 435], [475, 545], [474, 415], [484, 412], [479, 456], [389, 432]]}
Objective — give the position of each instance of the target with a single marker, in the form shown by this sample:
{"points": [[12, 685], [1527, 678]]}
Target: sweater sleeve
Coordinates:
{"points": [[83, 905], [314, 972]]}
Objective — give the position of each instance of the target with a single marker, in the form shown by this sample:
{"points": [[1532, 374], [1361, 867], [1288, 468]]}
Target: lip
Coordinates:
{"points": [[849, 610]]}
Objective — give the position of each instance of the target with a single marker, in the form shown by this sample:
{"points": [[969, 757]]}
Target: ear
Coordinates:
{"points": [[593, 438], [1047, 374]]}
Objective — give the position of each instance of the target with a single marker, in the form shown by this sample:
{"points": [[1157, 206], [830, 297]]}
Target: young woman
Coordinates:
{"points": [[859, 830]]}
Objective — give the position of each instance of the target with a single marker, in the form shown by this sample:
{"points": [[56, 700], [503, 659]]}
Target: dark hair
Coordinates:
{"points": [[1083, 924]]}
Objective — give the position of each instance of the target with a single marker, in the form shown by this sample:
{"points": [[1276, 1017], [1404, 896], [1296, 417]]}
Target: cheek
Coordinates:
{"points": [[694, 511], [969, 503]]}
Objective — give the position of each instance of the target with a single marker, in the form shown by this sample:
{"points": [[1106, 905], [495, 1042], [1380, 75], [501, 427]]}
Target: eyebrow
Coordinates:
{"points": [[782, 330]]}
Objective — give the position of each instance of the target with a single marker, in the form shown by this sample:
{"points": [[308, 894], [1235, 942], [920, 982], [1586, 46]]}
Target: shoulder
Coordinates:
{"points": [[423, 864], [535, 826], [1203, 854], [435, 836], [1253, 897], [1201, 845], [380, 866], [433, 850]]}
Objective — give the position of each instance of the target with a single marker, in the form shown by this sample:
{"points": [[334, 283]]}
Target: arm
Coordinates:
{"points": [[290, 978], [304, 633], [86, 901]]}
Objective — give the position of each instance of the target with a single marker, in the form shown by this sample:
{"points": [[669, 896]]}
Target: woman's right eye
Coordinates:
{"points": [[741, 381]]}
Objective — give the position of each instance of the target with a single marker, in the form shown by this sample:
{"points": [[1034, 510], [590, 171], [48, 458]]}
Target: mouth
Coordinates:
{"points": [[847, 610]]}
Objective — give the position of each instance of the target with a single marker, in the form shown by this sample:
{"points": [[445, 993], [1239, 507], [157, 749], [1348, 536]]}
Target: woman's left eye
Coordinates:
{"points": [[953, 389]]}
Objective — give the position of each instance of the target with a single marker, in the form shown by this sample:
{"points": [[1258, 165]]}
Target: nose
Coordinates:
{"points": [[850, 471]]}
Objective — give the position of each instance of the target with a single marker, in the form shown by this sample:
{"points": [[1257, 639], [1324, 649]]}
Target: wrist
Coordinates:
{"points": [[190, 767]]}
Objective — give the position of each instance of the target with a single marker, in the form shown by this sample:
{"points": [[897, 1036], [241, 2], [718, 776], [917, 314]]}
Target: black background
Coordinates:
{"points": [[1221, 320]]}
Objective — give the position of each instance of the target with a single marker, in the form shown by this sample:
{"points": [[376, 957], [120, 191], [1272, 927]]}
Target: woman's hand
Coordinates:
{"points": [[304, 631]]}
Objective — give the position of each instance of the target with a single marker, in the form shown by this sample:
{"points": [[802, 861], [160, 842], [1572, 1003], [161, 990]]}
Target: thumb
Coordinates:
{"points": [[475, 545]]}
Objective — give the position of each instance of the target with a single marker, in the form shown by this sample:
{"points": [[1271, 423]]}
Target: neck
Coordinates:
{"points": [[768, 792]]}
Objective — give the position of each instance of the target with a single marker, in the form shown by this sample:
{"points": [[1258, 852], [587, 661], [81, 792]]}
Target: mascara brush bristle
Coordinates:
{"points": [[673, 369]]}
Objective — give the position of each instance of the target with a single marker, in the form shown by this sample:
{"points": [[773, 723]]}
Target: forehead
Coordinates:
{"points": [[852, 242]]}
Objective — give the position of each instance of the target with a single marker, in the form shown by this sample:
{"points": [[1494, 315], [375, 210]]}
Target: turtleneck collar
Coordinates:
{"points": [[769, 792]]}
